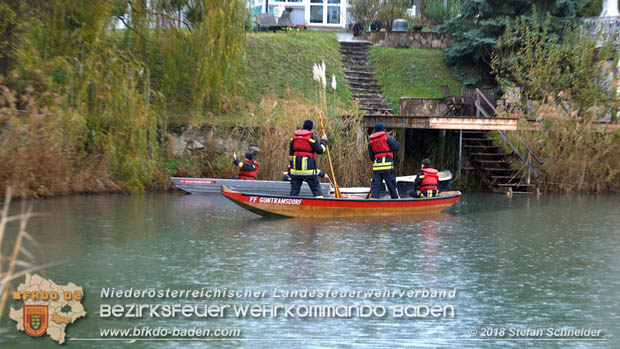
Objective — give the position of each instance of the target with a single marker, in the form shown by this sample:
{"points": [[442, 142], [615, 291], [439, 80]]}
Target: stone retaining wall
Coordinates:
{"points": [[190, 140], [413, 106], [415, 39]]}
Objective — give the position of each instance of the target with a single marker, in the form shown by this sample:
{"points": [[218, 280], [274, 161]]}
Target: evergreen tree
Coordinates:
{"points": [[475, 31]]}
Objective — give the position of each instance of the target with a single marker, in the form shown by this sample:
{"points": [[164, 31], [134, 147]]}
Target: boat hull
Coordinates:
{"points": [[288, 206], [214, 185]]}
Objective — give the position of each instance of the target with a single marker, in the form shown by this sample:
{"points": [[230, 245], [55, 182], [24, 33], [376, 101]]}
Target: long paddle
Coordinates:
{"points": [[331, 167]]}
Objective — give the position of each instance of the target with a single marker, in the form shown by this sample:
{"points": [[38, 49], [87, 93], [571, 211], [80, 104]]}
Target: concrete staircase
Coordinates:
{"points": [[492, 164], [362, 83]]}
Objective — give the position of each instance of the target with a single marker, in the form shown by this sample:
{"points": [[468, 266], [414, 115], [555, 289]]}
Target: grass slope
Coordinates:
{"points": [[411, 73], [281, 64]]}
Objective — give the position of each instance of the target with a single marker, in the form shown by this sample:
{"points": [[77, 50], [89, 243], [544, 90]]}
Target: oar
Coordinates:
{"points": [[331, 167]]}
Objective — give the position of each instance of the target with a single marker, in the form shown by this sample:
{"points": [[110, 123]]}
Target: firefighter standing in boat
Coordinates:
{"points": [[248, 168], [425, 185], [381, 149], [303, 148]]}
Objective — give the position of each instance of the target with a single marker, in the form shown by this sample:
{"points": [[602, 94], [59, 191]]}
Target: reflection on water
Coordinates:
{"points": [[526, 262]]}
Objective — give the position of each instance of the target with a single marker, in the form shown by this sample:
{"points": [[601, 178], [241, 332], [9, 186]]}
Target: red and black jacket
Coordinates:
{"points": [[379, 145], [302, 145], [302, 151], [429, 178], [248, 169]]}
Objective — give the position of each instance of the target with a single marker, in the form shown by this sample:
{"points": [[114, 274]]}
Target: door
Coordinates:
{"points": [[326, 12]]}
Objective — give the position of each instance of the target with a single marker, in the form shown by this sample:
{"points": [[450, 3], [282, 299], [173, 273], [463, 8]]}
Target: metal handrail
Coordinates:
{"points": [[480, 94], [481, 110]]}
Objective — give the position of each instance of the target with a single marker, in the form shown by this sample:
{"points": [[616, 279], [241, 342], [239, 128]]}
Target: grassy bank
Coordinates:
{"points": [[279, 66], [411, 73], [281, 63]]}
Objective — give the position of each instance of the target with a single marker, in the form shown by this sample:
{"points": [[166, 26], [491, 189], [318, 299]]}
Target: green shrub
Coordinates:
{"points": [[592, 9], [436, 12], [569, 86], [474, 32]]}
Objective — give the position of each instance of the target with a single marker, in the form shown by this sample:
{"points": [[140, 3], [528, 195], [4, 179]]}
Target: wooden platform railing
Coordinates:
{"points": [[480, 110]]}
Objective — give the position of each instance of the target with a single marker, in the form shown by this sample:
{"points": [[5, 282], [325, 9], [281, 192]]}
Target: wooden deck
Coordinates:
{"points": [[442, 122], [462, 123]]}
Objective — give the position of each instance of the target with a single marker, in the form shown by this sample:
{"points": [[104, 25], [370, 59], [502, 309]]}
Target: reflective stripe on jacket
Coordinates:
{"points": [[428, 194], [384, 163], [302, 151], [303, 166], [248, 175]]}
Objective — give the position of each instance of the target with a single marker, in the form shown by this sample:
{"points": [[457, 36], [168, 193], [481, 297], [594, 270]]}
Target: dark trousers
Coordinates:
{"points": [[390, 181], [313, 183]]}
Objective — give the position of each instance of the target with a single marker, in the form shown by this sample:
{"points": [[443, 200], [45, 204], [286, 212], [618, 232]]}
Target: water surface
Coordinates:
{"points": [[527, 262]]}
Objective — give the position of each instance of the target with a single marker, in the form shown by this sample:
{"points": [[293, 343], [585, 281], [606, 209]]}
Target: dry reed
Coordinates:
{"points": [[38, 154], [17, 261], [275, 120], [579, 154]]}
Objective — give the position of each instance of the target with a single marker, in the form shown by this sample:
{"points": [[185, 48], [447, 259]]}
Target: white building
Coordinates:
{"points": [[326, 14], [610, 8]]}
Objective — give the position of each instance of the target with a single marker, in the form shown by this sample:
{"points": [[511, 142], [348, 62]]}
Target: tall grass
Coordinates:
{"points": [[37, 151], [279, 118], [579, 154], [274, 121]]}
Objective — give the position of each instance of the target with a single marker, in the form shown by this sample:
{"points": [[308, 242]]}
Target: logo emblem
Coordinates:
{"points": [[36, 318]]}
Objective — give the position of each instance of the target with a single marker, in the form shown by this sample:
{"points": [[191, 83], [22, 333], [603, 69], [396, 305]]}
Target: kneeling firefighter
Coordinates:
{"points": [[302, 150], [248, 168], [425, 185], [381, 149]]}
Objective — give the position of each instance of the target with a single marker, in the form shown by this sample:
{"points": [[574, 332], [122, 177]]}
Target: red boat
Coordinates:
{"points": [[292, 206]]}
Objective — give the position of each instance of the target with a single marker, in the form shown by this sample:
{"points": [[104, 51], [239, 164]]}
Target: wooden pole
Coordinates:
{"points": [[460, 161], [331, 166], [401, 154], [442, 148]]}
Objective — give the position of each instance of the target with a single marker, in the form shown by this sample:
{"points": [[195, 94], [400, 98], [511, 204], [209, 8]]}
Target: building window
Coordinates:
{"points": [[333, 14], [333, 1], [316, 14]]}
